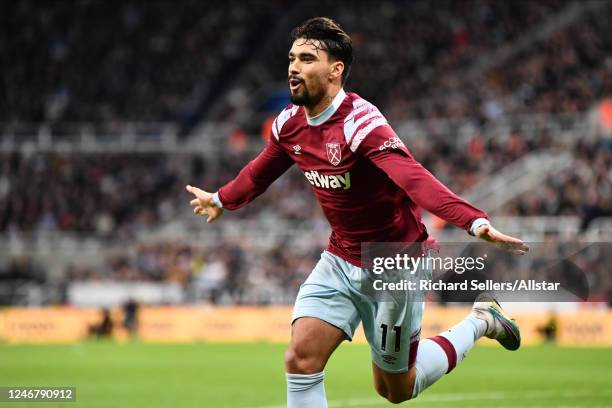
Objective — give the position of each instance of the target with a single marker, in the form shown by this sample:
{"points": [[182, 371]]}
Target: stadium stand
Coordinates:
{"points": [[584, 189], [98, 194], [185, 69], [83, 61], [566, 72], [407, 46]]}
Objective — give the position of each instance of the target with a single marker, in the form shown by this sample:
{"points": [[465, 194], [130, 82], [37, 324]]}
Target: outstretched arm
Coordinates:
{"points": [[252, 181], [428, 192]]}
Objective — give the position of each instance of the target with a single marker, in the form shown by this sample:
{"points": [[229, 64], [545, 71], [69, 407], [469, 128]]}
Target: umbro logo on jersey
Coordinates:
{"points": [[342, 181], [297, 149]]}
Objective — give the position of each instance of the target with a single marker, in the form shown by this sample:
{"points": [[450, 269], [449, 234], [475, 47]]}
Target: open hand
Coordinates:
{"points": [[204, 205], [503, 241]]}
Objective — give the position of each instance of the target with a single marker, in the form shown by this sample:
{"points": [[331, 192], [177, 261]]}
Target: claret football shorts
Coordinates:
{"points": [[332, 293]]}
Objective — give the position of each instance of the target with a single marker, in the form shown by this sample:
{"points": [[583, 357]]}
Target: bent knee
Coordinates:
{"points": [[299, 362], [398, 398], [391, 395]]}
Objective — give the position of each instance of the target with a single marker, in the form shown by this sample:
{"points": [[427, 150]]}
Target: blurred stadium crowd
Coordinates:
{"points": [[87, 62], [116, 196], [112, 195]]}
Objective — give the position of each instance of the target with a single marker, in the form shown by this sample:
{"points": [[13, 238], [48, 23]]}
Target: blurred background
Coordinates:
{"points": [[108, 110]]}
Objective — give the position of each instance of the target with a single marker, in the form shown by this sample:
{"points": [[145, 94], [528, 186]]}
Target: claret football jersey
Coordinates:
{"points": [[368, 184]]}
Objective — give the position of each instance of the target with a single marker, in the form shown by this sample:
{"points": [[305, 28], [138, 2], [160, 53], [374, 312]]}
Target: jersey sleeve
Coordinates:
{"points": [[256, 176], [387, 152]]}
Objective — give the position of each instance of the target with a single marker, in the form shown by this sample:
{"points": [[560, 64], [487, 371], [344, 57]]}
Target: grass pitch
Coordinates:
{"points": [[134, 375]]}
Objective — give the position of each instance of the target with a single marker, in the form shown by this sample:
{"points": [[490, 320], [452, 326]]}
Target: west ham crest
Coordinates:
{"points": [[334, 154]]}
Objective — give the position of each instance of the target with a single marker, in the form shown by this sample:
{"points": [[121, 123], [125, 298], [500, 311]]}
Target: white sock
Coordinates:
{"points": [[463, 336], [440, 354], [306, 391]]}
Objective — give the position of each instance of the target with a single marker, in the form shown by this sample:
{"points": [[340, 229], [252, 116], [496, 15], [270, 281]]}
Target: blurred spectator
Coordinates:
{"points": [[104, 328], [130, 317], [549, 329]]}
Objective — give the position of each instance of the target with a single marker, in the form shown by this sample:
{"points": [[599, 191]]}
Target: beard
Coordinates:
{"points": [[306, 97]]}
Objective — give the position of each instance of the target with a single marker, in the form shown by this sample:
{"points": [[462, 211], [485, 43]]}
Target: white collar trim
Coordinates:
{"points": [[329, 111]]}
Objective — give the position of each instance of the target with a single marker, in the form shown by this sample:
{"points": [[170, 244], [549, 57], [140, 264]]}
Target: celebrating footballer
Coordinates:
{"points": [[370, 188]]}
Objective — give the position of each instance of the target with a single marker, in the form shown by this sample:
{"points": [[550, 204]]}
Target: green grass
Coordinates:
{"points": [[251, 375]]}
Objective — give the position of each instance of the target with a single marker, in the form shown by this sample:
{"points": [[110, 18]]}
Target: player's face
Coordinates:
{"points": [[309, 71]]}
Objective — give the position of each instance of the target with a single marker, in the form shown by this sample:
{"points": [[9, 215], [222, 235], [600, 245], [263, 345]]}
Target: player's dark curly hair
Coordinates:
{"points": [[332, 38]]}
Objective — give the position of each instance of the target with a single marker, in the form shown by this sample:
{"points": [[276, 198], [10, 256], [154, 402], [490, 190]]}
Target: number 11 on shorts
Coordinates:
{"points": [[398, 334]]}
